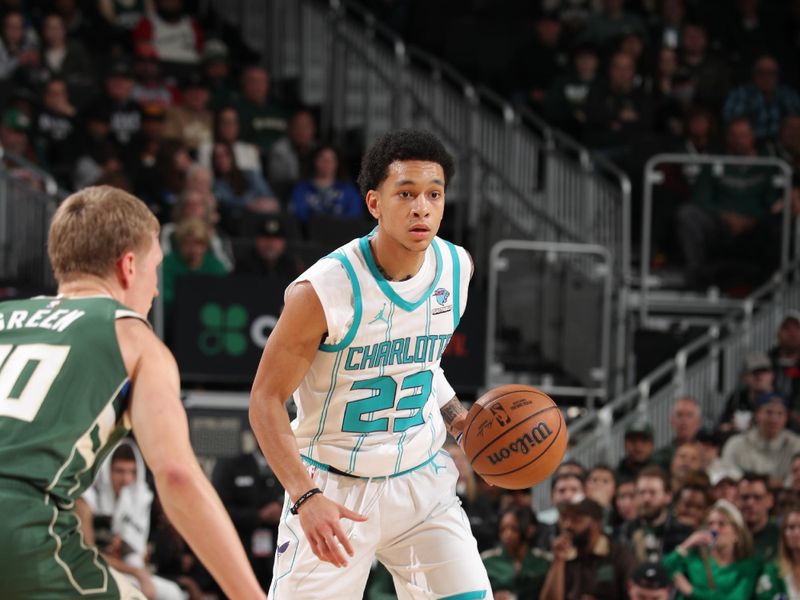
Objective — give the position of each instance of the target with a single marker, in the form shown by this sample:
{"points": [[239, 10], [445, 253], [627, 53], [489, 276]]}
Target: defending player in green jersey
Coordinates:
{"points": [[77, 372]]}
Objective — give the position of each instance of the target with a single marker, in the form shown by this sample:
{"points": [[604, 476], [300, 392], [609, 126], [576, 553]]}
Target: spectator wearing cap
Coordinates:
{"points": [[516, 569], [785, 358], [55, 129], [716, 561], [724, 233], [781, 577], [710, 445], [191, 121], [764, 101], [190, 256], [768, 447], [141, 154], [263, 120], [97, 155], [586, 562], [565, 100], [289, 157], [649, 581], [217, 72], [125, 115], [639, 445], [150, 89], [685, 421], [269, 256], [15, 132], [67, 59], [759, 378], [654, 532], [227, 130], [325, 192], [755, 500], [177, 38]]}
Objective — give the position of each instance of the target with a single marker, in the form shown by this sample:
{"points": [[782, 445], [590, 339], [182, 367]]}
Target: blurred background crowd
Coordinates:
{"points": [[162, 98]]}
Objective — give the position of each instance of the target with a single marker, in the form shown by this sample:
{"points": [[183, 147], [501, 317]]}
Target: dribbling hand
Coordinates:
{"points": [[319, 518]]}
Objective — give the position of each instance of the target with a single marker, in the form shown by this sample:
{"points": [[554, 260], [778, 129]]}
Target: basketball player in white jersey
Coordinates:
{"points": [[358, 345]]}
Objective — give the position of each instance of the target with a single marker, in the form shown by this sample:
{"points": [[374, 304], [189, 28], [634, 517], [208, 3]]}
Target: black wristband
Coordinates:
{"points": [[303, 498]]}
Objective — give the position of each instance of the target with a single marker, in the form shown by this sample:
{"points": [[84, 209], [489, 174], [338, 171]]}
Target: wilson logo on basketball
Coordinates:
{"points": [[538, 434]]}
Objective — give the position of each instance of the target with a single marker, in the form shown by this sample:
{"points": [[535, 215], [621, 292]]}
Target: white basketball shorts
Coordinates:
{"points": [[416, 528]]}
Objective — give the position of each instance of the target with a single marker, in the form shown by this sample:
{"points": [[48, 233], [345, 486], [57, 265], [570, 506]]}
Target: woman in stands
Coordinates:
{"points": [[717, 561], [781, 577], [238, 190]]}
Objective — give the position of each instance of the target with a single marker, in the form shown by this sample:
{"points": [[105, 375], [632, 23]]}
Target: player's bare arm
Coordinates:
{"points": [[287, 357], [454, 414], [162, 432]]}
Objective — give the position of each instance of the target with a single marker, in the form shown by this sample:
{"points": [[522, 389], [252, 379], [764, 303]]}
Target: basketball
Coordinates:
{"points": [[514, 436]]}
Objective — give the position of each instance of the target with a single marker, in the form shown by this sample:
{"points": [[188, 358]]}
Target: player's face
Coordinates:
{"points": [[144, 286], [409, 203]]}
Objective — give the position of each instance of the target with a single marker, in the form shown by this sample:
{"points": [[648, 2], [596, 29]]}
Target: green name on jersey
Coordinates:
{"points": [[398, 351]]}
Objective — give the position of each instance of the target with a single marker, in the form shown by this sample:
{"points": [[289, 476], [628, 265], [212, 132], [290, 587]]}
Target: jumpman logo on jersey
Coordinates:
{"points": [[379, 316]]}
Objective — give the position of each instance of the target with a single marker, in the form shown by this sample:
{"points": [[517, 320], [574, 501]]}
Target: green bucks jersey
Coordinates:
{"points": [[63, 392]]}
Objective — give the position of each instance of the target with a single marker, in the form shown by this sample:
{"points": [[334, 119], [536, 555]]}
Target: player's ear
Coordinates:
{"points": [[126, 268], [372, 203]]}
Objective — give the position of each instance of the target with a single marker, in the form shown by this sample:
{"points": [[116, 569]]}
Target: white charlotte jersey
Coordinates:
{"points": [[369, 404]]}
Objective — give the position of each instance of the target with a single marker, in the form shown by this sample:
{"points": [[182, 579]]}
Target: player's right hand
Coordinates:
{"points": [[319, 518]]}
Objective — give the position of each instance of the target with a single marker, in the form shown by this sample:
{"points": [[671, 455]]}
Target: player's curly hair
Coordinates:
{"points": [[403, 144]]}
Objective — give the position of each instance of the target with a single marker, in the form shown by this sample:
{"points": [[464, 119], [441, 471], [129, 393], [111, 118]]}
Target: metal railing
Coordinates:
{"points": [[25, 213], [708, 369], [365, 77], [653, 176]]}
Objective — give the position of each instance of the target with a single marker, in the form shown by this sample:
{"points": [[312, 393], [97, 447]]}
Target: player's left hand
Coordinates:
{"points": [[319, 518]]}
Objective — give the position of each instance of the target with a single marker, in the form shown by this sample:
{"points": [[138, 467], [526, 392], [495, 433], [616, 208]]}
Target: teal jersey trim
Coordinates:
{"points": [[387, 290], [476, 595], [351, 274], [324, 467], [456, 284]]}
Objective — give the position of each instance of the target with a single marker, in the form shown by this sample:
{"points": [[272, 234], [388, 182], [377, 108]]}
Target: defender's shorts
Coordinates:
{"points": [[43, 556]]}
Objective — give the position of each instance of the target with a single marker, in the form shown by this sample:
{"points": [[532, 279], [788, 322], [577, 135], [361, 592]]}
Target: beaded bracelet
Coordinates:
{"points": [[303, 498]]}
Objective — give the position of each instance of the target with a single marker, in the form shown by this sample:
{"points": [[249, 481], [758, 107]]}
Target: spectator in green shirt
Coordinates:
{"points": [[716, 563], [263, 121], [515, 568], [191, 256], [781, 577], [729, 215]]}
